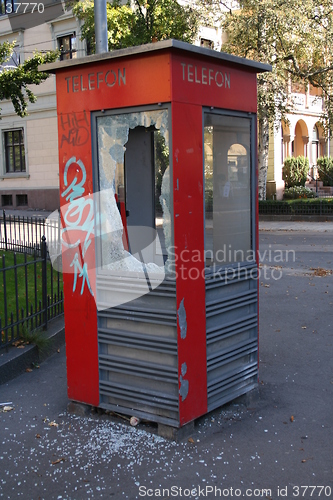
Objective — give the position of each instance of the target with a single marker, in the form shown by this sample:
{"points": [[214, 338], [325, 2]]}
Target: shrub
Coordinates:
{"points": [[298, 192], [325, 170], [295, 171]]}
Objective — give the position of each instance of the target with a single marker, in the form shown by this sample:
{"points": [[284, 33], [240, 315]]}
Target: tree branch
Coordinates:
{"points": [[302, 74]]}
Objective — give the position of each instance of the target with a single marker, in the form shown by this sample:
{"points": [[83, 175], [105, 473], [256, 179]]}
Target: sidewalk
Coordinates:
{"points": [[278, 225], [15, 361], [272, 447]]}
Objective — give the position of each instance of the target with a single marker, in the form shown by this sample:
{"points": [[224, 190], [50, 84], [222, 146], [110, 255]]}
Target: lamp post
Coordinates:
{"points": [[101, 30]]}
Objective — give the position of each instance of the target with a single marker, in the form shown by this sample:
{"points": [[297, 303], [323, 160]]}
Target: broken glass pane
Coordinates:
{"points": [[134, 180]]}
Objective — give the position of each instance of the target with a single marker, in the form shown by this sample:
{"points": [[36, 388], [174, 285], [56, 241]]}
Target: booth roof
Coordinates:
{"points": [[255, 66]]}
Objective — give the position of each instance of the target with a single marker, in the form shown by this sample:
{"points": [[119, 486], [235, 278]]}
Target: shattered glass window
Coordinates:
{"points": [[134, 203]]}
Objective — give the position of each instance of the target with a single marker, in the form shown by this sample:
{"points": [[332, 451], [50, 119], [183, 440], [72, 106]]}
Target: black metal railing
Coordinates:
{"points": [[24, 234], [296, 207], [31, 293]]}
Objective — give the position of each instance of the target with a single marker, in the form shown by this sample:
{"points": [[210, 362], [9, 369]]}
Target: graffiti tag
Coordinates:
{"points": [[78, 220], [75, 129]]}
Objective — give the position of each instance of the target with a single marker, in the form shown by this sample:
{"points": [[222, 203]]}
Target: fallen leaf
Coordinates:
{"points": [[291, 418], [191, 440], [62, 459], [28, 370], [319, 271], [37, 436], [58, 350]]}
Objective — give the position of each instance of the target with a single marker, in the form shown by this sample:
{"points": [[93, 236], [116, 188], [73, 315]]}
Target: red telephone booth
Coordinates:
{"points": [[158, 191]]}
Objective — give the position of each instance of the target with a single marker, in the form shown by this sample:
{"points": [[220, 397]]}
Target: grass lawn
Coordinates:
{"points": [[27, 285]]}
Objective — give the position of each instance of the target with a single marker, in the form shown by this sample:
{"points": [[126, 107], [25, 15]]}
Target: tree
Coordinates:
{"points": [[147, 21], [15, 79], [296, 39]]}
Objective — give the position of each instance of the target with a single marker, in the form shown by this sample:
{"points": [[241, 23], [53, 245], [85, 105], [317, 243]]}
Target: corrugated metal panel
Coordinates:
{"points": [[138, 359], [232, 334]]}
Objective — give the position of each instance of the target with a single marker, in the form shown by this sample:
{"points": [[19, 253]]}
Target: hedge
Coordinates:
{"points": [[295, 171], [297, 207], [325, 170]]}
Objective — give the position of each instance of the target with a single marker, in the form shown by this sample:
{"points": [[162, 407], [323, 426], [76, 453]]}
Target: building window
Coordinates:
{"points": [[6, 200], [21, 200], [6, 7], [67, 46], [208, 44], [14, 151]]}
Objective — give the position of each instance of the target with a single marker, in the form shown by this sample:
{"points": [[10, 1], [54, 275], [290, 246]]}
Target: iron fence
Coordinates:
{"points": [[24, 234], [306, 207], [31, 293]]}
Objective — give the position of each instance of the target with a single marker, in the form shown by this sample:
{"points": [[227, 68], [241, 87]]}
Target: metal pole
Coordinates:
{"points": [[5, 228], [328, 144], [44, 279], [101, 29]]}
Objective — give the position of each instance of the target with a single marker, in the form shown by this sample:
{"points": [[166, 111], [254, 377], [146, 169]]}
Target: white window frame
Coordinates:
{"points": [[13, 175]]}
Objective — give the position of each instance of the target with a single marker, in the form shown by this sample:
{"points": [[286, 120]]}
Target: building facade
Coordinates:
{"points": [[29, 162], [301, 135], [29, 146]]}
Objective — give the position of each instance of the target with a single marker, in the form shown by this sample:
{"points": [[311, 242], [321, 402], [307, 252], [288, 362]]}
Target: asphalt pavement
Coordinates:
{"points": [[275, 444]]}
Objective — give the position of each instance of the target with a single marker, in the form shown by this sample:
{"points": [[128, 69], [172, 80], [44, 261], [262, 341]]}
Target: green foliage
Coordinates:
{"points": [[296, 39], [312, 206], [37, 337], [14, 82], [296, 42], [20, 291], [161, 164], [298, 192], [325, 170], [295, 171], [149, 21]]}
